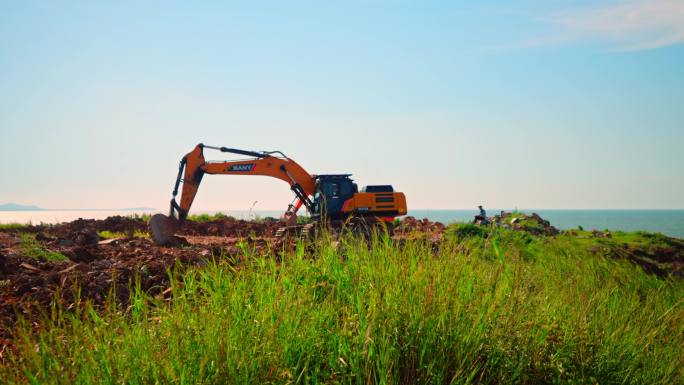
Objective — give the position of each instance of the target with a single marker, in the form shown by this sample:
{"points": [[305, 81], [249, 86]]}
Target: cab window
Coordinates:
{"points": [[345, 189], [331, 189]]}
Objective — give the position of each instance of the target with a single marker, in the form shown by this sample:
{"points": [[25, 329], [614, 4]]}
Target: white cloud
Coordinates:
{"points": [[626, 25]]}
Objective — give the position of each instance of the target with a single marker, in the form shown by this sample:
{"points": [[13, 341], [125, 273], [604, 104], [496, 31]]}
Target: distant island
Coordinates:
{"points": [[18, 207]]}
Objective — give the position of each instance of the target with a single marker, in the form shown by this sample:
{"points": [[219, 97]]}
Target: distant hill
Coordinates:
{"points": [[16, 207]]}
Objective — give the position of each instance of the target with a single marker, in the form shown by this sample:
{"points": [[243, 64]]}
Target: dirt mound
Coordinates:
{"points": [[84, 231], [411, 225], [533, 223], [231, 227], [655, 253], [660, 261], [98, 267]]}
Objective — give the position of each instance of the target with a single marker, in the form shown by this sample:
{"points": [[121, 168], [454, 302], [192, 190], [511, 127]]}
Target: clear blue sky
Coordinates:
{"points": [[534, 104]]}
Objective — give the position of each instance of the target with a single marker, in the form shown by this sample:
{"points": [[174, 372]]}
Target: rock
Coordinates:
{"points": [[533, 223]]}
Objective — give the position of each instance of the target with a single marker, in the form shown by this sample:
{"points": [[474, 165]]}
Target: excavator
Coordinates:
{"points": [[333, 200]]}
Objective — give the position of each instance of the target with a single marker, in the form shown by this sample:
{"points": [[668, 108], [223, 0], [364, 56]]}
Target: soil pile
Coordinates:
{"points": [[655, 253], [412, 225], [533, 223], [74, 256], [225, 227], [231, 227]]}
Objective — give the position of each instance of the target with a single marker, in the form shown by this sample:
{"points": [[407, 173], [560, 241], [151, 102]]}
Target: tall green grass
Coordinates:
{"points": [[500, 308]]}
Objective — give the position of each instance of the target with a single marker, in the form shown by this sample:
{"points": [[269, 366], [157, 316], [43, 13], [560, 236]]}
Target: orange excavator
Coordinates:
{"points": [[331, 199]]}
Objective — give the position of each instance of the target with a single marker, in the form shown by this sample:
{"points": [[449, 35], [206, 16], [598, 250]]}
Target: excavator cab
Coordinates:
{"points": [[332, 191], [338, 197]]}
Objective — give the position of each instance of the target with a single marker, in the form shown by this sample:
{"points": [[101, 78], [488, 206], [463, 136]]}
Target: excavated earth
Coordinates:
{"points": [[98, 267]]}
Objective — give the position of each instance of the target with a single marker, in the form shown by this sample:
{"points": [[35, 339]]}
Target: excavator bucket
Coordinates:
{"points": [[163, 228]]}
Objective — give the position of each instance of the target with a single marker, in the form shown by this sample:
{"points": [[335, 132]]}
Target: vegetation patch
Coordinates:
{"points": [[467, 230], [106, 234], [202, 218], [30, 247], [533, 224], [654, 252], [13, 226]]}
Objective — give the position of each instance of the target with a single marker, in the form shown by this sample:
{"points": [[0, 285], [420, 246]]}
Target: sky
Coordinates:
{"points": [[527, 104]]}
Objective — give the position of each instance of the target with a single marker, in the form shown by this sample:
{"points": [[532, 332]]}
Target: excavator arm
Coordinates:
{"points": [[193, 166]]}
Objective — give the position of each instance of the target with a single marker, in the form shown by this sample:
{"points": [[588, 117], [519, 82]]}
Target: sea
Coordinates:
{"points": [[668, 222]]}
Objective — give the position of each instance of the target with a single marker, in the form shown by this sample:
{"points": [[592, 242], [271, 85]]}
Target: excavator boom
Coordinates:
{"points": [[283, 168], [193, 166]]}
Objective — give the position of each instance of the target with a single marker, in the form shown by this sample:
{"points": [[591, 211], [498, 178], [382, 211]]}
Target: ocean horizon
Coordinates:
{"points": [[667, 221]]}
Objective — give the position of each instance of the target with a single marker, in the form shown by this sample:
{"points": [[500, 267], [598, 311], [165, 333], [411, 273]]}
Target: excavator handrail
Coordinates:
{"points": [[276, 152], [236, 151], [256, 154]]}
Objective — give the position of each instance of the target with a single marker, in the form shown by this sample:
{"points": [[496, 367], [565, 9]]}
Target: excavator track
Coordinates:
{"points": [[289, 232], [281, 232], [308, 231]]}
